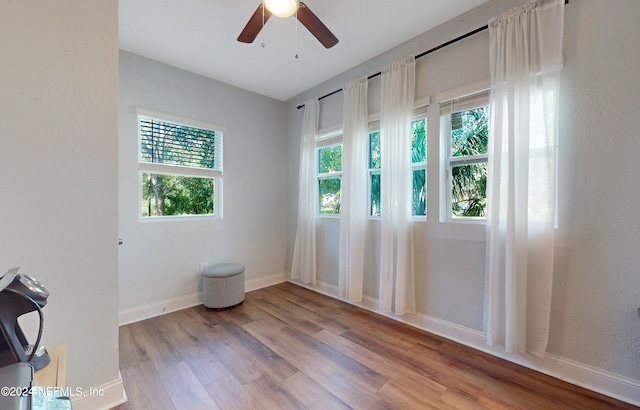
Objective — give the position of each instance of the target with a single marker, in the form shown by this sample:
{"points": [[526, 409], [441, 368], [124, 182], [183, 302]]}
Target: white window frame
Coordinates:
{"points": [[468, 97], [374, 126], [421, 165], [166, 169], [327, 137]]}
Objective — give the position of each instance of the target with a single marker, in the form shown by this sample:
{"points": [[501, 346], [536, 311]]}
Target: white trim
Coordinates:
{"points": [[166, 169], [136, 314], [188, 122], [332, 131], [154, 309], [330, 175], [463, 91], [601, 381], [422, 102], [105, 397], [259, 283]]}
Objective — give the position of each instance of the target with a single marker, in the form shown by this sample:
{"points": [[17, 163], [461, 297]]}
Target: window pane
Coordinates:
{"points": [[470, 132], [418, 141], [468, 190], [374, 150], [419, 206], [164, 142], [172, 195], [375, 195], [330, 159], [330, 196]]}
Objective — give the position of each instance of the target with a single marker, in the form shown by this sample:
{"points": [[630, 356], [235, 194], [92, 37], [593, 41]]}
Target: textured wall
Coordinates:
{"points": [[596, 289], [58, 171]]}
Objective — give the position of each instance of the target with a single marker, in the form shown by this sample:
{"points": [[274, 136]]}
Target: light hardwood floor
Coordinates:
{"points": [[286, 347]]}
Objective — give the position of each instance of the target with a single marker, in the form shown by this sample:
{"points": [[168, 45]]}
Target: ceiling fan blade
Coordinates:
{"points": [[254, 25], [316, 27]]}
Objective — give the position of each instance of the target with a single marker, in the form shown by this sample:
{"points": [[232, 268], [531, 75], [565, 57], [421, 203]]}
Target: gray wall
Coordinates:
{"points": [[58, 172], [596, 287], [160, 260]]}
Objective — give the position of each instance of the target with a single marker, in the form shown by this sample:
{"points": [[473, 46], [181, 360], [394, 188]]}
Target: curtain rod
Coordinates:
{"points": [[455, 40], [448, 43]]}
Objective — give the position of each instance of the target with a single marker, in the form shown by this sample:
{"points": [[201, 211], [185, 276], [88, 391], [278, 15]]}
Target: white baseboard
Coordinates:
{"points": [[105, 397], [162, 307], [607, 383], [255, 284], [150, 310]]}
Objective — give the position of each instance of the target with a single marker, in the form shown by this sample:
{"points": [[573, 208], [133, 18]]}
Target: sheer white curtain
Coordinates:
{"points": [[525, 59], [396, 264], [304, 251], [353, 189]]}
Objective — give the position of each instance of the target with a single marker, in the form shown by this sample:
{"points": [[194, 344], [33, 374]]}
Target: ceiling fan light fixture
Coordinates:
{"points": [[282, 8]]}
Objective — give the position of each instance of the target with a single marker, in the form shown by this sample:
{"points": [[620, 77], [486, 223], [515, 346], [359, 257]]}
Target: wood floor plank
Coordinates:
{"points": [[144, 388], [404, 397], [230, 394], [399, 333], [206, 367], [184, 388], [273, 363], [353, 394], [449, 372], [157, 343], [291, 348], [132, 348], [356, 371], [395, 372], [383, 337], [241, 314], [312, 395], [274, 306], [494, 398], [233, 356], [309, 311], [271, 395], [526, 383], [319, 300], [450, 399]]}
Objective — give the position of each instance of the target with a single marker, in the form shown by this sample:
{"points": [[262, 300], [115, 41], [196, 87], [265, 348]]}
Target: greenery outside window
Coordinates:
{"points": [[180, 166], [374, 173], [418, 166], [329, 178], [465, 126]]}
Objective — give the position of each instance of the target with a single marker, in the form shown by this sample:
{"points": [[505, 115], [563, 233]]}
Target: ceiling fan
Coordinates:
{"points": [[286, 9]]}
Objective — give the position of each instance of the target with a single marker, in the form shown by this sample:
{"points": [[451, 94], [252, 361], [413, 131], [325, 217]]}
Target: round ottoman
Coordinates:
{"points": [[223, 285]]}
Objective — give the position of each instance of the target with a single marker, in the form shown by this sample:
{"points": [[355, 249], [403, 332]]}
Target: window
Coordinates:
{"points": [[180, 166], [329, 172], [374, 173], [418, 166], [465, 130]]}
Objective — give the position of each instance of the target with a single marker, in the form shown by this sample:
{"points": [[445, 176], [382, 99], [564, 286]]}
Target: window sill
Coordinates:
{"points": [[469, 221], [328, 216], [199, 218]]}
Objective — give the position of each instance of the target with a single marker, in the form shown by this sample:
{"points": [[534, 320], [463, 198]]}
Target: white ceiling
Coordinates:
{"points": [[200, 36]]}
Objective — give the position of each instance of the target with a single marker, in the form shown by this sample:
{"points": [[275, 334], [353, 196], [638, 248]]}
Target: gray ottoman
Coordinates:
{"points": [[223, 285]]}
